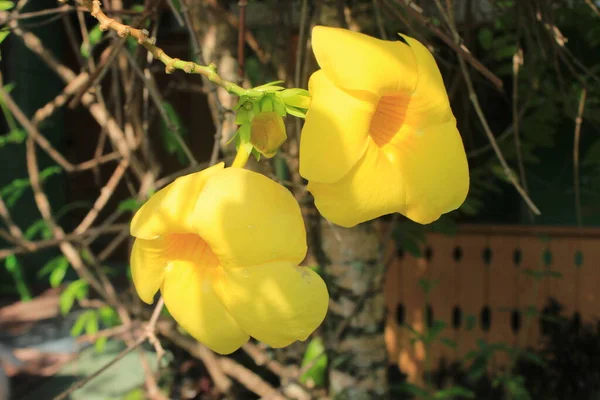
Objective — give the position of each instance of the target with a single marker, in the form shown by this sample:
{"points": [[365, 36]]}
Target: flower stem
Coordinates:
{"points": [[209, 71], [241, 158]]}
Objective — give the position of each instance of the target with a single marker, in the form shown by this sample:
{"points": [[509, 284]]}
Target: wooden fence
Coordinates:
{"points": [[484, 280]]}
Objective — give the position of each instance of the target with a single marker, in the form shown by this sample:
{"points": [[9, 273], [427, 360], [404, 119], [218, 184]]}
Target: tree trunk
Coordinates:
{"points": [[354, 328]]}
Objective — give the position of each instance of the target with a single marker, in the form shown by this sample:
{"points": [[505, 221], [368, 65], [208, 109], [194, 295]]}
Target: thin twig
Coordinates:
{"points": [[482, 119], [241, 42], [457, 46], [65, 395], [577, 135]]}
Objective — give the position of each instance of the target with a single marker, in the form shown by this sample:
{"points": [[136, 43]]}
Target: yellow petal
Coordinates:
{"points": [[276, 303], [429, 104], [249, 219], [169, 209], [420, 173], [371, 189], [189, 297], [434, 169], [356, 61], [148, 264], [335, 133]]}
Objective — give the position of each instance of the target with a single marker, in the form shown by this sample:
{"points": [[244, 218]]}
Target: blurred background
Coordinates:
{"points": [[492, 301]]}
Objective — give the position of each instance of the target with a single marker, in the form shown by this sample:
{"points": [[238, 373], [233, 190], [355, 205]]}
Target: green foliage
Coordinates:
{"points": [[6, 5], [12, 265], [94, 37], [12, 192], [172, 125], [315, 359], [56, 268], [77, 290]]}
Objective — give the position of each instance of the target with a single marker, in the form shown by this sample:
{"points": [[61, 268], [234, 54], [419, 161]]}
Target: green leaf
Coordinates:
{"points": [[411, 388], [15, 136], [470, 322], [427, 285], [542, 273], [296, 112], [51, 266], [39, 227], [81, 322], [108, 316], [76, 290], [100, 344], [6, 5], [279, 107], [95, 36], [256, 154], [266, 85], [433, 332], [14, 267], [130, 205], [243, 117], [486, 38], [91, 326], [315, 355], [245, 132], [454, 392], [170, 127], [58, 273], [448, 342], [266, 104], [299, 98]]}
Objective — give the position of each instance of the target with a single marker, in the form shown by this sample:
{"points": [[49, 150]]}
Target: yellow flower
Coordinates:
{"points": [[380, 136], [223, 246]]}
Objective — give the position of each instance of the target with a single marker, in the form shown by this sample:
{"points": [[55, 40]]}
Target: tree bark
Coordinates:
{"points": [[354, 328]]}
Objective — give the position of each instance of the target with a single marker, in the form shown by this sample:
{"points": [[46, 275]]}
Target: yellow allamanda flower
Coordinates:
{"points": [[380, 136], [223, 247]]}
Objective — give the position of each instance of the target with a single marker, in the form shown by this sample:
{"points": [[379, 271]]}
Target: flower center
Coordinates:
{"points": [[190, 248], [388, 118]]}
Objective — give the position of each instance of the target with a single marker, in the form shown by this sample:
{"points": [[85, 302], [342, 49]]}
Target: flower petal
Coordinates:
{"points": [[249, 219], [335, 133], [434, 170], [356, 61], [276, 303], [148, 264], [429, 104], [169, 209], [189, 297], [421, 174], [371, 189]]}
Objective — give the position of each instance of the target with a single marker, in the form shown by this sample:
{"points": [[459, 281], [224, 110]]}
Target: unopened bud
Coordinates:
{"points": [[268, 133]]}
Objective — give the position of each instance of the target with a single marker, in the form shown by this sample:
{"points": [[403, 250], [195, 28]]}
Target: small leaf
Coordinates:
{"points": [[130, 205], [542, 273], [94, 37], [411, 388], [279, 107], [100, 344], [91, 326], [448, 342], [81, 322], [14, 267], [76, 290], [486, 38], [296, 112], [471, 322], [315, 355], [454, 392], [6, 5], [108, 316], [245, 132], [266, 104], [59, 272]]}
